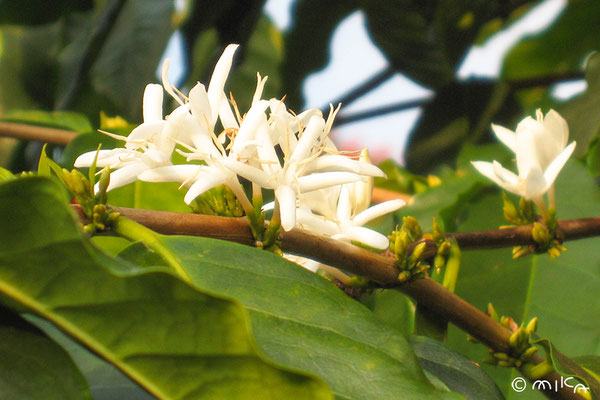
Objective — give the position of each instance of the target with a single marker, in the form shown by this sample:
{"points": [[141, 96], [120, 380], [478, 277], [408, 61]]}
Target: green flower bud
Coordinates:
{"points": [[493, 314], [510, 211], [527, 354], [104, 179], [531, 326], [438, 232], [417, 252]]}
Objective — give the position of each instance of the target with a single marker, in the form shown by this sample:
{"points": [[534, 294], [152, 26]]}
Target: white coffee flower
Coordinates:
{"points": [[539, 146]]}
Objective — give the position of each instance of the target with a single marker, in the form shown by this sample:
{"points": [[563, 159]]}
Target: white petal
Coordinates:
{"points": [[333, 163], [125, 175], [308, 139], [218, 78], [367, 236], [557, 126], [286, 196], [556, 165], [344, 205], [251, 173], [325, 179], [228, 120], [506, 136], [204, 181], [105, 157], [253, 119], [260, 85], [315, 223], [535, 184], [141, 134], [166, 84], [489, 170], [152, 103], [200, 105], [378, 211], [171, 173], [506, 177], [527, 146]]}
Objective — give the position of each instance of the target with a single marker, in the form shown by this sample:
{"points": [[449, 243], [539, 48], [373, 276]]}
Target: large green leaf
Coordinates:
{"points": [[460, 112], [302, 320], [554, 290], [55, 119], [559, 49], [39, 11], [28, 66], [172, 339], [403, 32], [445, 201], [131, 53], [307, 42], [33, 366], [581, 112], [456, 371]]}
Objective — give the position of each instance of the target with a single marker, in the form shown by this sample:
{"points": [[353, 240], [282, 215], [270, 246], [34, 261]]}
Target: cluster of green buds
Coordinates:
{"points": [[92, 204], [521, 349], [219, 201], [402, 240], [524, 214], [81, 187], [266, 237], [443, 245], [545, 234]]}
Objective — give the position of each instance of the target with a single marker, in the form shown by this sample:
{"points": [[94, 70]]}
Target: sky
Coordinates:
{"points": [[353, 55]]}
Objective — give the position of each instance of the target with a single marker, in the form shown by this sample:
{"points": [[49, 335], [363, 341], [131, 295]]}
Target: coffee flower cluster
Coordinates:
{"points": [[315, 186], [540, 147]]}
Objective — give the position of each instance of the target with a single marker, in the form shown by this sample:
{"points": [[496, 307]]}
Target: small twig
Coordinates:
{"points": [[379, 111], [30, 132], [363, 88]]}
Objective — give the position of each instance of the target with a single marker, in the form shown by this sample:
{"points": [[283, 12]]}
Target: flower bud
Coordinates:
{"points": [[104, 179]]}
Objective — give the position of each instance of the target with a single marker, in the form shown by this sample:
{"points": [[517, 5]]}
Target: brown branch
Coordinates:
{"points": [[569, 229], [376, 267], [30, 132]]}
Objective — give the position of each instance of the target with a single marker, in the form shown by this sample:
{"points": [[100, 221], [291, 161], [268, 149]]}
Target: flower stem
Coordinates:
{"points": [[133, 231], [239, 192]]}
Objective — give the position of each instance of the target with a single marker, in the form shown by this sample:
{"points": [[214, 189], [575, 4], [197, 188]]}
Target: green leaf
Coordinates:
{"points": [[131, 53], [458, 372], [173, 340], [33, 366], [303, 321], [460, 112], [54, 119], [580, 113], [559, 49], [445, 201], [591, 364], [39, 11], [28, 66], [6, 175], [307, 42], [403, 34], [553, 290], [568, 367], [393, 307]]}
